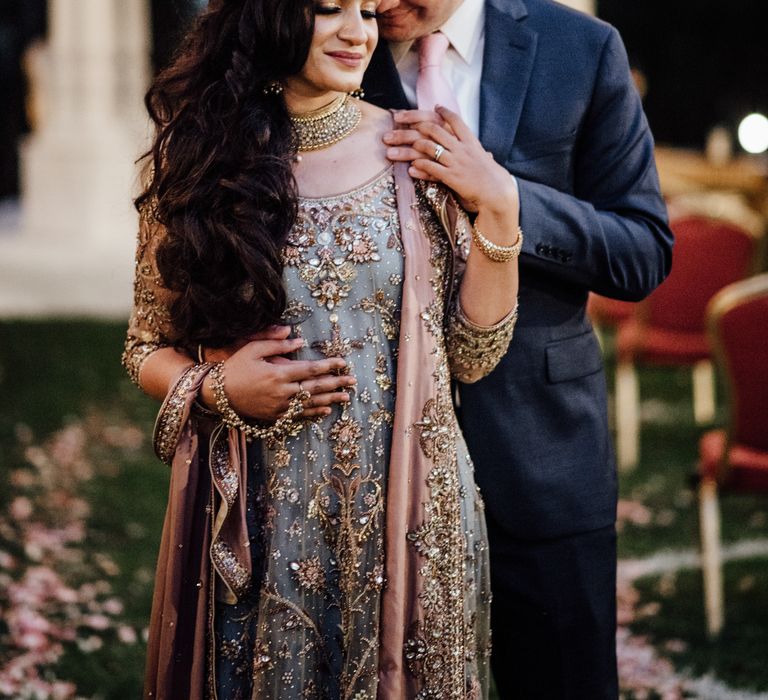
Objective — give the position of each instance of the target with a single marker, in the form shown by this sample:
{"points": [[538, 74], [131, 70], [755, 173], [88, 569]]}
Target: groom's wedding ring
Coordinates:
{"points": [[439, 150]]}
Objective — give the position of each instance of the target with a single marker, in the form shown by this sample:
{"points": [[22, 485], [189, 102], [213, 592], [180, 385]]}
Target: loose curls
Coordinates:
{"points": [[221, 180]]}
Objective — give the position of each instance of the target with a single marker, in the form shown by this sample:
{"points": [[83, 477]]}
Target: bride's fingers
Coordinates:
{"points": [[325, 400], [316, 412], [323, 385], [320, 404], [301, 370]]}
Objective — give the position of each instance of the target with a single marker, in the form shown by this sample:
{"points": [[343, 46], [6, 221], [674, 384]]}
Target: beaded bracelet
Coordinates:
{"points": [[497, 253], [285, 425]]}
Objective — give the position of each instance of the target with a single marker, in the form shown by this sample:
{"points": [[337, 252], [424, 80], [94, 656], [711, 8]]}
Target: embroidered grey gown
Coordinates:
{"points": [[309, 627]]}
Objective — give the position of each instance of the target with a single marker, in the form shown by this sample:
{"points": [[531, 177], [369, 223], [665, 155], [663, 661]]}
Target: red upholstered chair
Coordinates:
{"points": [[608, 313], [668, 327], [734, 459]]}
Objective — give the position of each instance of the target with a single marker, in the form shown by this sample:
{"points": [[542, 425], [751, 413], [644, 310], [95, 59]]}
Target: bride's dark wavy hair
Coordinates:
{"points": [[220, 167]]}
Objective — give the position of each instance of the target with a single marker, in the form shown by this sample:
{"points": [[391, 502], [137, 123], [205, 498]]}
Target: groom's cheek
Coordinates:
{"points": [[385, 5]]}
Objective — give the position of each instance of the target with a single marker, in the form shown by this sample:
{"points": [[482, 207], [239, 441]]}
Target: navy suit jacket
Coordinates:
{"points": [[559, 110]]}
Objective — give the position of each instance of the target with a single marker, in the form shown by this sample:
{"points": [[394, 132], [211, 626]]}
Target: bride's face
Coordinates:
{"points": [[345, 37]]}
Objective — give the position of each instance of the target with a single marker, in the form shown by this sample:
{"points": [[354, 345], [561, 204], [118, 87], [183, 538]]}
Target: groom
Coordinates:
{"points": [[549, 93]]}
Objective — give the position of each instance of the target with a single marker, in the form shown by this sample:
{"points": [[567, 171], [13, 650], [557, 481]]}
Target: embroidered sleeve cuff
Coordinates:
{"points": [[134, 356], [474, 351]]}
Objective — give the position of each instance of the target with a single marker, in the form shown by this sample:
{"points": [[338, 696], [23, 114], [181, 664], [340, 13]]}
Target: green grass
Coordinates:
{"points": [[662, 482], [126, 522], [52, 372], [738, 656]]}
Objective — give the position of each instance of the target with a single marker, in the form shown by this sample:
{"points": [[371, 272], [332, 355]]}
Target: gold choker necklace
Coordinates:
{"points": [[327, 125]]}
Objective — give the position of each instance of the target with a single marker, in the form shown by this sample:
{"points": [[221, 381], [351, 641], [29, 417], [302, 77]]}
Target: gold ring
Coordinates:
{"points": [[439, 150]]}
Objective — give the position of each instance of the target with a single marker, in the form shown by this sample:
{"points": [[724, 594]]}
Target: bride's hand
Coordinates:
{"points": [[463, 164], [260, 380]]}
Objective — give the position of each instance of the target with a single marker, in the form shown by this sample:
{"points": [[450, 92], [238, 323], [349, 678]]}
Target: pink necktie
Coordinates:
{"points": [[432, 87]]}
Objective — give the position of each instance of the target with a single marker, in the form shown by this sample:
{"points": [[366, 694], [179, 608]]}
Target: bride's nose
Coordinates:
{"points": [[353, 28]]}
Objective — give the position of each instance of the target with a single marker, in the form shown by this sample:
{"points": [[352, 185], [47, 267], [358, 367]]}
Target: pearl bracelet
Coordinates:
{"points": [[497, 253]]}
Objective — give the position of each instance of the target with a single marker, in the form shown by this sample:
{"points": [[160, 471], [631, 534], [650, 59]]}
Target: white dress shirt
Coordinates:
{"points": [[463, 65]]}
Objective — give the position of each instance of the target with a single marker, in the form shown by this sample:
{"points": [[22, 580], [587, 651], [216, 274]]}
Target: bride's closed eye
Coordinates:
{"points": [[333, 9]]}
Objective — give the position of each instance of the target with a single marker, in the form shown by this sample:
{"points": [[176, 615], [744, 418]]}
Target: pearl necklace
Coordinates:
{"points": [[328, 125]]}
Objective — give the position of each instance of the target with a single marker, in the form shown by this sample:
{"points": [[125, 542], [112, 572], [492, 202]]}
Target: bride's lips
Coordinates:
{"points": [[348, 58]]}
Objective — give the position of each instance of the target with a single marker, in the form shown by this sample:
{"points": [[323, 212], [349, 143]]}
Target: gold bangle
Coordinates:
{"points": [[285, 425], [497, 253]]}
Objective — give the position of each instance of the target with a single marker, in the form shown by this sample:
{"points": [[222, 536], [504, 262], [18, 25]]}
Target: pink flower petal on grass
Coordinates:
{"points": [[113, 606], [633, 512], [126, 634], [21, 508], [7, 562], [96, 622]]}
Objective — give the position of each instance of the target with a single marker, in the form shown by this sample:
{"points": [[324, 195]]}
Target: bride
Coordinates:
{"points": [[301, 306]]}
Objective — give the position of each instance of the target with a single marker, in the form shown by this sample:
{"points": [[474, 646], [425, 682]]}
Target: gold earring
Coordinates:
{"points": [[359, 93], [273, 88]]}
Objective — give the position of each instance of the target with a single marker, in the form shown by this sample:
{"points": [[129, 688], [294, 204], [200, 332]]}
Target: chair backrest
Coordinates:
{"points": [[737, 320], [708, 255], [608, 312]]}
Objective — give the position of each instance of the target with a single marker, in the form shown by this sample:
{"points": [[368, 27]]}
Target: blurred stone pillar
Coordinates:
{"points": [[78, 171], [587, 6]]}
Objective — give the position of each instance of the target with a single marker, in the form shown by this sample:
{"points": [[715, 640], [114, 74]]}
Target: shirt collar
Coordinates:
{"points": [[464, 30]]}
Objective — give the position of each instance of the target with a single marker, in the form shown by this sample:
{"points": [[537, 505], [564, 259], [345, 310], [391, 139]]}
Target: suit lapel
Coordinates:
{"points": [[508, 57], [381, 81]]}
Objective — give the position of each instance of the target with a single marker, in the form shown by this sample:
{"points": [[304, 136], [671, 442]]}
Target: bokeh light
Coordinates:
{"points": [[753, 133]]}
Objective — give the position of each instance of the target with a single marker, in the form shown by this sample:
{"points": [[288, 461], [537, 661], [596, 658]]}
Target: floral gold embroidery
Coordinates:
{"points": [[437, 428], [475, 350], [337, 346], [309, 573], [385, 307]]}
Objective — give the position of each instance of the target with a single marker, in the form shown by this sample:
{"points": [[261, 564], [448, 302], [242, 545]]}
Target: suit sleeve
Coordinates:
{"points": [[610, 235]]}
